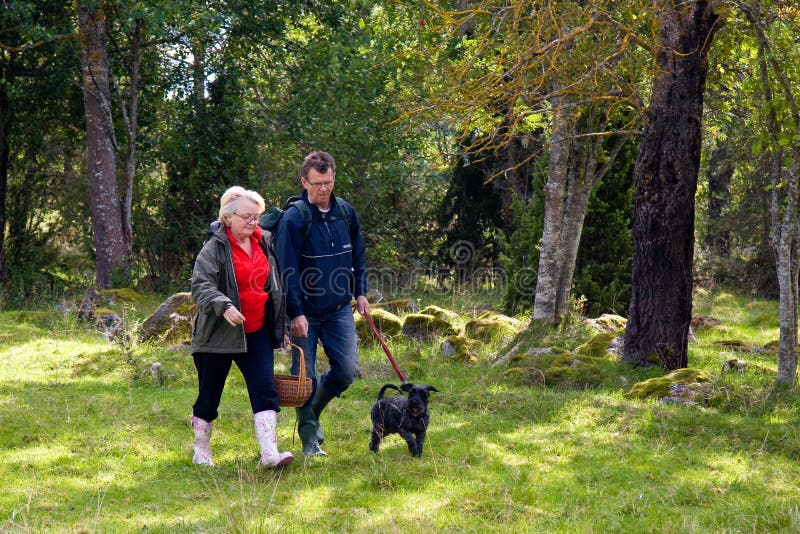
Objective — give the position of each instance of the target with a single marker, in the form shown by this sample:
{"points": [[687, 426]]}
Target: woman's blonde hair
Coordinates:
{"points": [[230, 202]]}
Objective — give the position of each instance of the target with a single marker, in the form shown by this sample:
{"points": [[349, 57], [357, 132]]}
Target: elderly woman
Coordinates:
{"points": [[239, 320]]}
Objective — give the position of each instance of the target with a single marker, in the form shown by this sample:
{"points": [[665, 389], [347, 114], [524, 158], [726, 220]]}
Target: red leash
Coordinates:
{"points": [[397, 370]]}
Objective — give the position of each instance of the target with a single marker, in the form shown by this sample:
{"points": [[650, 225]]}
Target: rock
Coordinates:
{"points": [[734, 365], [491, 325], [660, 386], [172, 321], [398, 307], [608, 322], [441, 313], [735, 344], [460, 348], [700, 322], [422, 327], [387, 323], [688, 394], [598, 346], [110, 325], [124, 293]]}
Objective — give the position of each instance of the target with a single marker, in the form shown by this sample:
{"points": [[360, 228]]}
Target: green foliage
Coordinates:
{"points": [[520, 258], [471, 212]]}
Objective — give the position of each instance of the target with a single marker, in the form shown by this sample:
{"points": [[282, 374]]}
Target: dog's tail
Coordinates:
{"points": [[384, 388]]}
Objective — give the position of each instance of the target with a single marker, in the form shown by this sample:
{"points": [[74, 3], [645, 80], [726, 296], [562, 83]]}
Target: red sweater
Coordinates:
{"points": [[252, 273]]}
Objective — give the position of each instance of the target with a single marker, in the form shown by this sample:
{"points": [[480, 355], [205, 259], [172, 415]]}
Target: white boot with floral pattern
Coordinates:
{"points": [[267, 438], [202, 441]]}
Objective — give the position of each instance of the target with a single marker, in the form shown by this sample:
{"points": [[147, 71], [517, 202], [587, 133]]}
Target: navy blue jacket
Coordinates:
{"points": [[324, 271]]}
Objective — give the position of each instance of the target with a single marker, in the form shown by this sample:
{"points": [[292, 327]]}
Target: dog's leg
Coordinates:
{"points": [[412, 442], [419, 443], [377, 436]]}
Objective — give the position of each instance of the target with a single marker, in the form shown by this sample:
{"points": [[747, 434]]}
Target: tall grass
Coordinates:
{"points": [[91, 443]]}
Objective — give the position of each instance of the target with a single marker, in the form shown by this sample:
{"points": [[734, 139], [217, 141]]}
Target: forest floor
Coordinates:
{"points": [[90, 442]]}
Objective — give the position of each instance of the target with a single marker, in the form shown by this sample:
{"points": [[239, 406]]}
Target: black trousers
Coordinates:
{"points": [[257, 366]]}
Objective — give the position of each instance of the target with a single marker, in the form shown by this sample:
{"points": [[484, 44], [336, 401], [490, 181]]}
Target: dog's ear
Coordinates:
{"points": [[431, 388], [405, 387]]}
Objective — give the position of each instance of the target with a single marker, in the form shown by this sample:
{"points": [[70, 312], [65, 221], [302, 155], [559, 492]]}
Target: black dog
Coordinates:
{"points": [[400, 415]]}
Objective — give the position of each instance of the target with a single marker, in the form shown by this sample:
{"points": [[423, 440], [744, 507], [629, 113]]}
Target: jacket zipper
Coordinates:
{"points": [[329, 233]]}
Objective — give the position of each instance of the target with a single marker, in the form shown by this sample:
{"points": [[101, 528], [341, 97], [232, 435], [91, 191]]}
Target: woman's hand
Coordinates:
{"points": [[233, 316]]}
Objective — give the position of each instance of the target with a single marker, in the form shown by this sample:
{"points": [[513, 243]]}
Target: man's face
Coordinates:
{"points": [[319, 186]]}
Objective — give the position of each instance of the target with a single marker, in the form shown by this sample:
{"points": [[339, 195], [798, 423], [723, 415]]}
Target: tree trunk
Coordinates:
{"points": [[107, 227], [665, 177], [784, 198], [5, 154], [547, 278], [572, 176], [720, 173], [131, 117], [582, 173]]}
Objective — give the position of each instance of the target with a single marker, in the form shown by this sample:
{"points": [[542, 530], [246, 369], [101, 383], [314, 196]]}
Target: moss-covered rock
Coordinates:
{"points": [[598, 346], [422, 327], [461, 348], [527, 375], [125, 294], [397, 307], [688, 394], [608, 322], [700, 322], [387, 323], [441, 313], [658, 387], [735, 344], [735, 365], [561, 368], [172, 320], [492, 325], [578, 373]]}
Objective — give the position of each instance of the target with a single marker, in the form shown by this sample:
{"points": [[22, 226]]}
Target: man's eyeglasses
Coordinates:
{"points": [[317, 185], [248, 218]]}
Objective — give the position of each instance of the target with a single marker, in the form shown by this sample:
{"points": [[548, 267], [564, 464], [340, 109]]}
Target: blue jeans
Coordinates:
{"points": [[337, 332], [257, 367]]}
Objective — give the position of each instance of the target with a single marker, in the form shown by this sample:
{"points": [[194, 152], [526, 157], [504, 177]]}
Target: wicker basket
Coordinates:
{"points": [[294, 390]]}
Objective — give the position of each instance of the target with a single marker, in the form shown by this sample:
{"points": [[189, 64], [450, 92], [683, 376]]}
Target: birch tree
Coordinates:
{"points": [[778, 64]]}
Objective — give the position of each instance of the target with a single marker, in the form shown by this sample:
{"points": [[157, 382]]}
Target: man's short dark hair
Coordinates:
{"points": [[319, 161]]}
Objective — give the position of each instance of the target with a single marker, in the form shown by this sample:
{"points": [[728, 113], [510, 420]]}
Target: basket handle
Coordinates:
{"points": [[302, 362]]}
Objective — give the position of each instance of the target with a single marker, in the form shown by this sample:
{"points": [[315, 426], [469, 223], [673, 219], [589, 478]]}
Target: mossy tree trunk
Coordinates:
{"points": [[665, 179], [107, 226]]}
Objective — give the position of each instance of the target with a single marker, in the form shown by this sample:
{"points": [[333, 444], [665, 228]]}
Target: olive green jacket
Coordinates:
{"points": [[214, 288]]}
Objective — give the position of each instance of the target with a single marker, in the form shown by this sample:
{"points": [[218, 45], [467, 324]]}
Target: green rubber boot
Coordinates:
{"points": [[321, 399], [307, 427]]}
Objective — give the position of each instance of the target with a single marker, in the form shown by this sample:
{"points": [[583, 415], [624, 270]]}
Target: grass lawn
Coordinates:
{"points": [[90, 443]]}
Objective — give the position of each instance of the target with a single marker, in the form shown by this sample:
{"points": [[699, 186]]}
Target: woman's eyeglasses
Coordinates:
{"points": [[248, 218]]}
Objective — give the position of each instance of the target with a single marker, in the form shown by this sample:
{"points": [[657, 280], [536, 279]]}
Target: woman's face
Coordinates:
{"points": [[244, 219]]}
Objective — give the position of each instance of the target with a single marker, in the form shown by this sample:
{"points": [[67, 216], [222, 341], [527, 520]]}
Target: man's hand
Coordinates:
{"points": [[299, 326], [362, 304], [233, 316]]}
